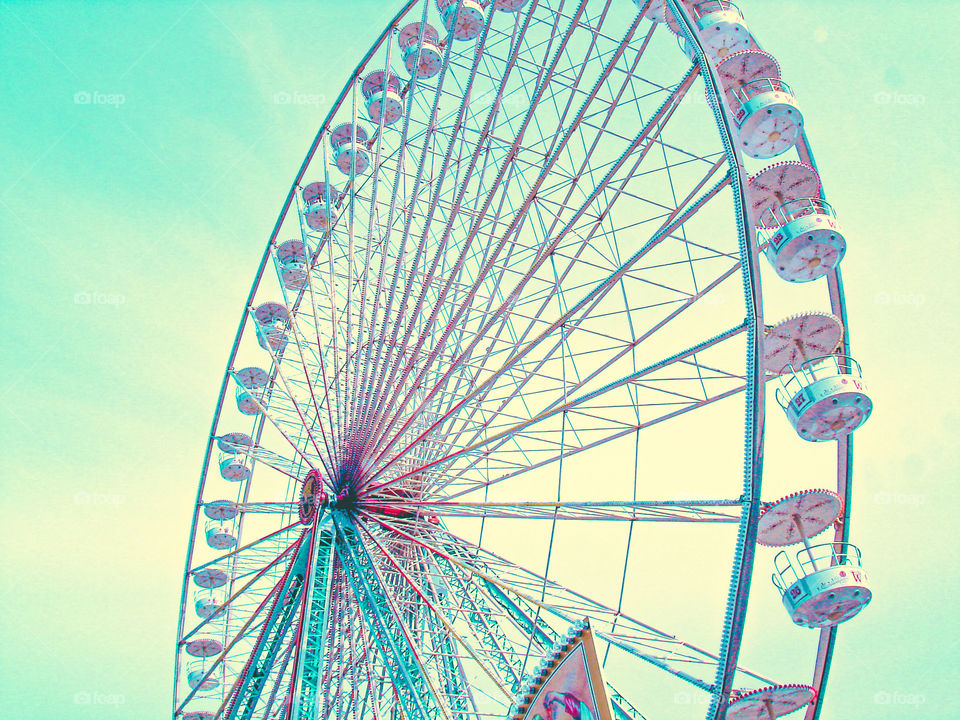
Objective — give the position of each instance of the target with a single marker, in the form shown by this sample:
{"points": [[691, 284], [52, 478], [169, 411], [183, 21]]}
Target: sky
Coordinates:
{"points": [[146, 149]]}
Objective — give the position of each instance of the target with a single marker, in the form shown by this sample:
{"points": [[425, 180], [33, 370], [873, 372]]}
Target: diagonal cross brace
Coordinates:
{"points": [[267, 649], [414, 692]]}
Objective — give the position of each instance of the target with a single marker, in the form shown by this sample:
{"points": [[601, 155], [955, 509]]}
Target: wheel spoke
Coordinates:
{"points": [[513, 250], [651, 511]]}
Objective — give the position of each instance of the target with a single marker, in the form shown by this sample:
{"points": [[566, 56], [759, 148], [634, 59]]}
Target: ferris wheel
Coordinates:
{"points": [[498, 395]]}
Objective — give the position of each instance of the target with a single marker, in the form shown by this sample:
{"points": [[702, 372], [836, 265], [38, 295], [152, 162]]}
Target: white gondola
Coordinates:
{"points": [[382, 93], [198, 679], [768, 117], [233, 462], [251, 390], [802, 239], [319, 205], [221, 510], [780, 183], [659, 11], [764, 108], [424, 56], [824, 398], [235, 467], [797, 338], [206, 602], [797, 230], [234, 442], [822, 585], [210, 577], [293, 264], [463, 17], [769, 703], [273, 322], [204, 647], [722, 30], [220, 534], [349, 143]]}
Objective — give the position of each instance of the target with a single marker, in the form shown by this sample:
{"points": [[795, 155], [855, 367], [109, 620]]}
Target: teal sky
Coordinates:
{"points": [[144, 160]]}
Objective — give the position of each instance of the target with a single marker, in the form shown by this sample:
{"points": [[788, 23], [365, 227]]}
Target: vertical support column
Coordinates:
{"points": [[415, 693], [315, 625]]}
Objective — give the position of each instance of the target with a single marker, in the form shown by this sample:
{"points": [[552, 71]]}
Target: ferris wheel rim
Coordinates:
{"points": [[290, 197]]}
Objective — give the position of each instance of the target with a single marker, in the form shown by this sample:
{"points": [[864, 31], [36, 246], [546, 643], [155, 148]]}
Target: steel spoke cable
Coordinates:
{"points": [[436, 188], [266, 414], [276, 686], [544, 75], [571, 617], [376, 576], [615, 435], [519, 354], [454, 209], [592, 606], [512, 227], [230, 699], [421, 167], [472, 617], [384, 242], [456, 440], [229, 601], [277, 363], [546, 414], [226, 650], [307, 376], [309, 276]]}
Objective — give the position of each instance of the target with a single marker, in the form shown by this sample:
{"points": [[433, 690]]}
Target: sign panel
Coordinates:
{"points": [[570, 686]]}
